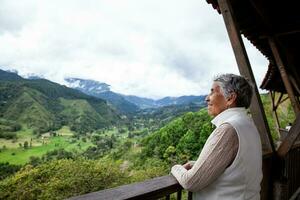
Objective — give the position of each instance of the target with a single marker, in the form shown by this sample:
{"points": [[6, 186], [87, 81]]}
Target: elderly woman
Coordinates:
{"points": [[230, 163]]}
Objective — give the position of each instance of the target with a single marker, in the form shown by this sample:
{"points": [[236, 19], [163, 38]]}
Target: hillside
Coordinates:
{"points": [[181, 139], [43, 105], [155, 118], [120, 103]]}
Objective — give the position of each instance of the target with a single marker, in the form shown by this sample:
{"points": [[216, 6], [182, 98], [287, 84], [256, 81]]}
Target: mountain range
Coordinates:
{"points": [[84, 105], [129, 103], [45, 105]]}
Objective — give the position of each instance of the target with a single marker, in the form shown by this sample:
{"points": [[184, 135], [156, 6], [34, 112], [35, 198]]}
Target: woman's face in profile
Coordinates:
{"points": [[216, 102]]}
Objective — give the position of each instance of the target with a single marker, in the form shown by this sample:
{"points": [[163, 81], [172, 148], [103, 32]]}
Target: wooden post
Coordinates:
{"points": [[190, 195], [242, 60], [284, 76]]}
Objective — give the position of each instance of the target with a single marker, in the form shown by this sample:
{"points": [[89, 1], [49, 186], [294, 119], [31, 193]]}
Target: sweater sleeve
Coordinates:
{"points": [[217, 154]]}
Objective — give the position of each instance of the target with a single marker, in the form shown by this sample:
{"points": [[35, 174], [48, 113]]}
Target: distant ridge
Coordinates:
{"points": [[129, 103]]}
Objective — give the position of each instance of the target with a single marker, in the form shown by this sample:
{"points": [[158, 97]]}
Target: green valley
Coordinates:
{"points": [[56, 142]]}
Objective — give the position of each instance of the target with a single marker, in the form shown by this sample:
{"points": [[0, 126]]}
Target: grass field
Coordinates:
{"points": [[23, 135], [15, 154]]}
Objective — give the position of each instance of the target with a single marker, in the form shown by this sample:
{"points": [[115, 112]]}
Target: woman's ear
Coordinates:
{"points": [[231, 100]]}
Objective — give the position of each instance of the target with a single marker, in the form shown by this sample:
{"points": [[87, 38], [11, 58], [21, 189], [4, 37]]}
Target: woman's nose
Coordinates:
{"points": [[207, 98]]}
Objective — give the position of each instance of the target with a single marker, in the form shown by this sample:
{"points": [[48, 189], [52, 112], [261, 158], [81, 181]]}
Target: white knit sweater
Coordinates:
{"points": [[241, 180]]}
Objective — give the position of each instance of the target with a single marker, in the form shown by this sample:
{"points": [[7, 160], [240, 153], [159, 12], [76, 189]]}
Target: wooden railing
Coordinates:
{"points": [[163, 187], [150, 189]]}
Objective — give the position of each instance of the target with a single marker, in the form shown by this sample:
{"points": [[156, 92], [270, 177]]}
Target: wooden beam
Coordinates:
{"points": [[284, 75], [296, 195], [274, 112], [288, 142], [242, 60], [149, 189], [283, 100], [294, 82], [278, 100], [280, 34]]}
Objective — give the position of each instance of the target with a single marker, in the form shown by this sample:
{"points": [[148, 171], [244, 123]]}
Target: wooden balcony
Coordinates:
{"points": [[163, 187]]}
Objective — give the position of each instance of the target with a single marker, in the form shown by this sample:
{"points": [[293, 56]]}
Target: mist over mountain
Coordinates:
{"points": [[90, 87], [102, 90], [33, 76], [129, 103]]}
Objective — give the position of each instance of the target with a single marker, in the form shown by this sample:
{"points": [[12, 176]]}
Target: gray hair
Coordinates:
{"points": [[239, 85]]}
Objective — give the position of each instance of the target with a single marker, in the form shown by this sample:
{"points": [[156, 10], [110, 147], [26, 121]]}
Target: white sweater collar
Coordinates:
{"points": [[220, 118]]}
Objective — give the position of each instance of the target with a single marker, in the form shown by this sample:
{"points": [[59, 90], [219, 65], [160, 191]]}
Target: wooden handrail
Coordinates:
{"points": [[149, 189]]}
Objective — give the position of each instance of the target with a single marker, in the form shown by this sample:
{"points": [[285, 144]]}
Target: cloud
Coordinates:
{"points": [[148, 48], [14, 15]]}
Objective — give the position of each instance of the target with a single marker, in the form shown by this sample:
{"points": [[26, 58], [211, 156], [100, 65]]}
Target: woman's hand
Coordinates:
{"points": [[189, 165]]}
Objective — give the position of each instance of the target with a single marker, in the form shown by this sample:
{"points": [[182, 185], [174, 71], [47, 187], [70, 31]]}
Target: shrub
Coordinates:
{"points": [[60, 179]]}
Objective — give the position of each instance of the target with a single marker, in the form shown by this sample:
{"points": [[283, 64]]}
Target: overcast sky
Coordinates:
{"points": [[149, 48]]}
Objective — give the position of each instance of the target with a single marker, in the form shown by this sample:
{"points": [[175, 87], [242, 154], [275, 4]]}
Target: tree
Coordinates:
{"points": [[25, 145], [34, 160], [7, 169], [169, 154], [187, 134]]}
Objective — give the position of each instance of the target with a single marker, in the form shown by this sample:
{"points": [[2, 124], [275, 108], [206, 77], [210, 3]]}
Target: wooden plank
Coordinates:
{"points": [[242, 60], [284, 76], [288, 142], [149, 189]]}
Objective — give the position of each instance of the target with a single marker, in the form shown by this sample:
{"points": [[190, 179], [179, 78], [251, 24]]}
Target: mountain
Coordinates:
{"points": [[121, 104], [128, 103], [145, 103], [102, 90], [162, 115], [44, 105], [141, 102], [183, 100], [7, 76]]}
